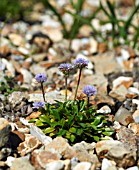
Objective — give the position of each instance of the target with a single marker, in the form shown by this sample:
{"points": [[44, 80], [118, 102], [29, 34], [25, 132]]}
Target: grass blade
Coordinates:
{"points": [[128, 22]]}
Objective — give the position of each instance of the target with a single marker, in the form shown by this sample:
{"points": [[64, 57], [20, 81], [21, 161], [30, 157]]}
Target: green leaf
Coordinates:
{"points": [[82, 125], [68, 135], [48, 130], [44, 119], [96, 121], [109, 133], [96, 138], [79, 132], [39, 123], [62, 122], [33, 120], [56, 114], [94, 127], [129, 20], [111, 8], [72, 130], [61, 132], [70, 119], [80, 116], [72, 138], [74, 108]]}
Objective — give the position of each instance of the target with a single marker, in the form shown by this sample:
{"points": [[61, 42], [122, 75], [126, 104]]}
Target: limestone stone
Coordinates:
{"points": [[28, 145], [85, 152], [16, 98], [36, 68], [21, 163], [102, 147], [5, 129], [119, 93], [49, 96], [40, 158], [128, 138], [123, 116], [107, 165], [83, 166], [36, 132], [61, 145], [136, 116], [105, 63], [121, 156], [126, 81], [55, 165], [16, 39], [135, 128]]}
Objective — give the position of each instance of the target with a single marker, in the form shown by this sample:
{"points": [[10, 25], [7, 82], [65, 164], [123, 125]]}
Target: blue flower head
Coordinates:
{"points": [[89, 90], [41, 77], [81, 62], [65, 68], [38, 105]]}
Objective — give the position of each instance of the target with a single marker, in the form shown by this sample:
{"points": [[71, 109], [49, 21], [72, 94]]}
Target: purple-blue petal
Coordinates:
{"points": [[81, 62], [65, 67], [38, 104], [41, 77], [89, 90]]}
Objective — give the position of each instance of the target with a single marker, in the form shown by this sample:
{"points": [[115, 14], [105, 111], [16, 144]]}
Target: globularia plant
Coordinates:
{"points": [[41, 78], [80, 63], [38, 105], [74, 120], [89, 91], [65, 69]]}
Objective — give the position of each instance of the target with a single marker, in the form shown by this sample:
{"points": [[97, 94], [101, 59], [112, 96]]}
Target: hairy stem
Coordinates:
{"points": [[78, 84], [65, 88], [88, 102], [43, 91]]}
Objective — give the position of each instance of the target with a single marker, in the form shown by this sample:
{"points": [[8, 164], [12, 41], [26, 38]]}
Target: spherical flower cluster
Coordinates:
{"points": [[65, 68], [38, 105], [41, 77], [89, 90], [81, 62]]}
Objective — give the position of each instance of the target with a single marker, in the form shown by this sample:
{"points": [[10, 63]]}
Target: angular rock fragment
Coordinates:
{"points": [[85, 152], [61, 145], [5, 129], [55, 165], [83, 166], [40, 158], [28, 145], [128, 138], [21, 163], [123, 116], [36, 132]]}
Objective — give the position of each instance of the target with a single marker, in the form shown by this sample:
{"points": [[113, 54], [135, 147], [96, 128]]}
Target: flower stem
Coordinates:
{"points": [[78, 84], [43, 91], [88, 102], [65, 88]]}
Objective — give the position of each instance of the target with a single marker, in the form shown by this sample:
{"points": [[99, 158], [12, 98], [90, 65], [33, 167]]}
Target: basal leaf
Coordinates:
{"points": [[96, 121], [56, 114], [44, 118], [72, 138], [79, 132], [61, 132], [96, 138], [39, 123], [109, 133], [48, 130], [72, 130]]}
